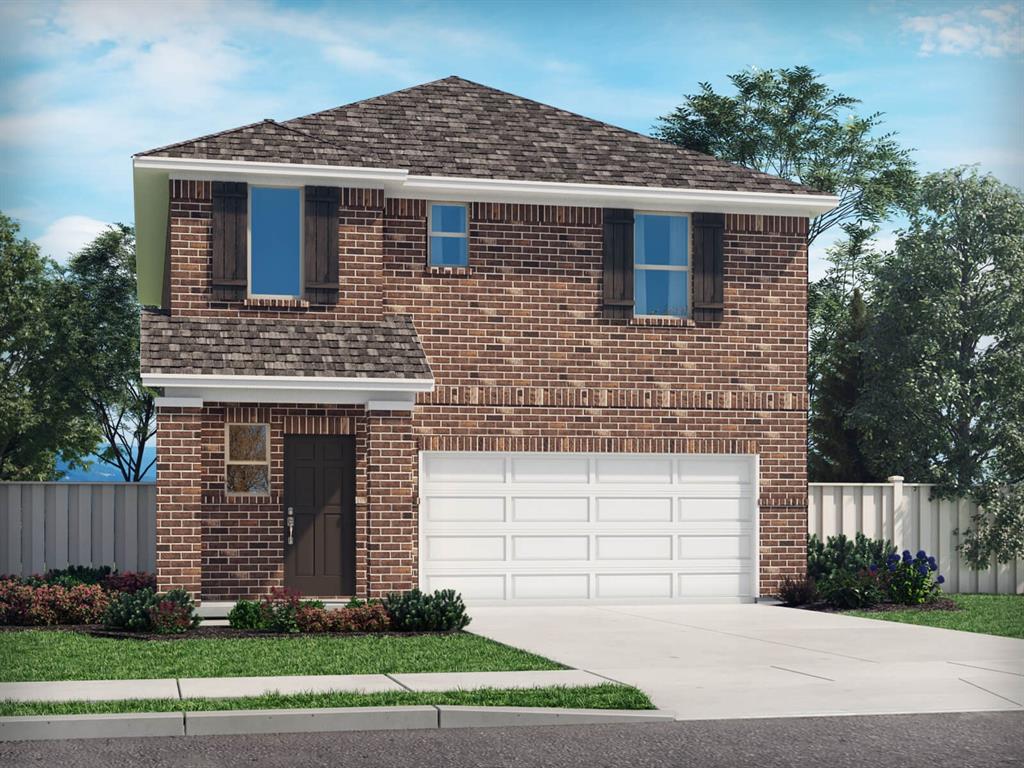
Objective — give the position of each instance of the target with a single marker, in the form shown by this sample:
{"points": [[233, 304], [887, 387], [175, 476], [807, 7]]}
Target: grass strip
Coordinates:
{"points": [[50, 655], [986, 614], [604, 696]]}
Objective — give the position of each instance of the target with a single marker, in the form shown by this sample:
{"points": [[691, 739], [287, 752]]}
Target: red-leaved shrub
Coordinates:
{"points": [[129, 581], [365, 618], [26, 605]]}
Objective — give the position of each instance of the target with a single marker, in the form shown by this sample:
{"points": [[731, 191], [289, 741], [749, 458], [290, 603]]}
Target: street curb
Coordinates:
{"points": [[36, 727], [498, 717], [257, 721], [253, 721]]}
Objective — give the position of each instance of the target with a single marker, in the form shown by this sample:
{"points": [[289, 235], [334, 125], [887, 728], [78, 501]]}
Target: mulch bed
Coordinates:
{"points": [[201, 632], [942, 604]]}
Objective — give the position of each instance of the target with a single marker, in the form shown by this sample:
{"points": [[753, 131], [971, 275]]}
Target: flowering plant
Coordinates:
{"points": [[909, 578]]}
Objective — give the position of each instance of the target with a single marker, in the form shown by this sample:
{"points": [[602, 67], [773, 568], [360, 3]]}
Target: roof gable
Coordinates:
{"points": [[457, 128]]}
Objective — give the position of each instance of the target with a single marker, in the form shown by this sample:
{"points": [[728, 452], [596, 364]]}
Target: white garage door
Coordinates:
{"points": [[579, 527]]}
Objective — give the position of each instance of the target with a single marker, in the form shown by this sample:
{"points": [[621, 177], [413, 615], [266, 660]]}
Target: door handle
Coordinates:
{"points": [[291, 526]]}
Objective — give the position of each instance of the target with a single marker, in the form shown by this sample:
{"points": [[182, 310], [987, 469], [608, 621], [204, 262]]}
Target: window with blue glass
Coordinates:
{"points": [[449, 235], [275, 241], [661, 262]]}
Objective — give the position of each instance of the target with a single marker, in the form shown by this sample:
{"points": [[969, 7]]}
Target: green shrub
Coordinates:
{"points": [[798, 591], [839, 554], [416, 611], [146, 610], [77, 574], [845, 590], [130, 610], [280, 609], [246, 614]]}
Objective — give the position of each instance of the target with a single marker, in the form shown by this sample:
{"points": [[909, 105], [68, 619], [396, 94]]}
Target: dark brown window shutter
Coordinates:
{"points": [[320, 249], [230, 240], [618, 262], [707, 266]]}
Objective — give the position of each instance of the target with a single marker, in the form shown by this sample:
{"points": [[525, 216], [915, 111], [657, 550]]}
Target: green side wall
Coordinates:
{"points": [[152, 192]]}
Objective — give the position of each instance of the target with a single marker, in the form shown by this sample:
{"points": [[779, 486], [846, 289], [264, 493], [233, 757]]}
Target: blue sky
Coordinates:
{"points": [[83, 85]]}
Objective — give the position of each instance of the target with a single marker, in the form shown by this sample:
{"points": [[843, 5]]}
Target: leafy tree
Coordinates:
{"points": [[944, 357], [836, 445], [788, 123], [43, 410], [105, 312]]}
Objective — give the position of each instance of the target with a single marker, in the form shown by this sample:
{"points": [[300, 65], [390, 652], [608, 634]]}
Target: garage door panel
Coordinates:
{"points": [[633, 470], [634, 585], [558, 470], [650, 510], [550, 510], [698, 508], [550, 586], [447, 548], [567, 548], [709, 585], [472, 587], [481, 468], [464, 509], [705, 547], [634, 547], [580, 527]]}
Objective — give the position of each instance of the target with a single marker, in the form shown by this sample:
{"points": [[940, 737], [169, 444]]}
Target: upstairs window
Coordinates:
{"points": [[247, 458], [448, 225], [275, 241], [661, 284]]}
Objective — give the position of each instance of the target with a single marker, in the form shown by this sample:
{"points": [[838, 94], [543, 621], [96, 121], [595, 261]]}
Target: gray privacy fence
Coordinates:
{"points": [[906, 514], [53, 525]]}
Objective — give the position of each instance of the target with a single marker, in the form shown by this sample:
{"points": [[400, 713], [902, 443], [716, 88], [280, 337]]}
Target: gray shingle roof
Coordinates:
{"points": [[454, 127], [388, 349]]}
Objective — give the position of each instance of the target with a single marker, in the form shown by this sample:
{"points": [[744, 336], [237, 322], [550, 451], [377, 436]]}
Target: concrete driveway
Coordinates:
{"points": [[733, 661]]}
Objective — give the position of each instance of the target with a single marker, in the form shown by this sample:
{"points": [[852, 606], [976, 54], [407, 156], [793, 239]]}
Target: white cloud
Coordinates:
{"points": [[69, 234], [991, 31]]}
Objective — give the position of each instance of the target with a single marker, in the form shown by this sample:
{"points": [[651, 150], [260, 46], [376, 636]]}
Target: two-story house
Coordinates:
{"points": [[451, 337]]}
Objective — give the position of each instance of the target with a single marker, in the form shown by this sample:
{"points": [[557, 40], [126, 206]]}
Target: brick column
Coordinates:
{"points": [[392, 525], [179, 540]]}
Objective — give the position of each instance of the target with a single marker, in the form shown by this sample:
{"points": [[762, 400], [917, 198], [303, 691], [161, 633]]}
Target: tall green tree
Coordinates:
{"points": [[104, 308], [836, 450], [944, 357], [43, 410], [788, 123]]}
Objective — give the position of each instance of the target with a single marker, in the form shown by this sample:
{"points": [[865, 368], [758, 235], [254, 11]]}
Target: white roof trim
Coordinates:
{"points": [[212, 382], [400, 183]]}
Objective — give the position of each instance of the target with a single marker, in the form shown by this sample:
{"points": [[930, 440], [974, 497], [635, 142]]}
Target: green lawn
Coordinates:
{"points": [[607, 696], [988, 614], [52, 655]]}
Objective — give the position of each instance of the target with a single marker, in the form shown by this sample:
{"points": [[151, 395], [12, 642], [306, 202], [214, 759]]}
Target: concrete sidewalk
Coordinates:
{"points": [[743, 661], [235, 687]]}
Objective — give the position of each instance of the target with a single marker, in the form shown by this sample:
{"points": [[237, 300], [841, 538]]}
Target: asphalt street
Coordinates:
{"points": [[930, 741]]}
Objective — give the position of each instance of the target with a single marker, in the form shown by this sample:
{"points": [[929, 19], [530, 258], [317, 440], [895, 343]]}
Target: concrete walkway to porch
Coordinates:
{"points": [[235, 687]]}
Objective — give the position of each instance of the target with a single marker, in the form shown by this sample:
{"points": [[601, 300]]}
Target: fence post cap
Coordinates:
{"points": [[894, 479]]}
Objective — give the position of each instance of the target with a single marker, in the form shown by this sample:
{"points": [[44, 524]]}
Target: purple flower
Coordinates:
{"points": [[921, 554], [906, 556], [892, 567], [922, 569], [941, 579], [873, 568], [893, 558], [932, 564]]}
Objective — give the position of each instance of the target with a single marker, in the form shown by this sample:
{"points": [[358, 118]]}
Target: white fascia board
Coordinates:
{"points": [[189, 169], [617, 196], [321, 384], [397, 182]]}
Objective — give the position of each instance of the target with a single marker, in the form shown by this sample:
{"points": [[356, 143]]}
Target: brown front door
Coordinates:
{"points": [[320, 493]]}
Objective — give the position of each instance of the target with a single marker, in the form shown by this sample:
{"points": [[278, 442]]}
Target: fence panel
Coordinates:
{"points": [[907, 514], [54, 525]]}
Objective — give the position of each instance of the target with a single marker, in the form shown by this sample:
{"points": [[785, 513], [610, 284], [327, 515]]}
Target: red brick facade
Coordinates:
{"points": [[523, 360]]}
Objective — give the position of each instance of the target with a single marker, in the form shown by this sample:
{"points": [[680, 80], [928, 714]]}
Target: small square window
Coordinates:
{"points": [[449, 235], [275, 241], [247, 459]]}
